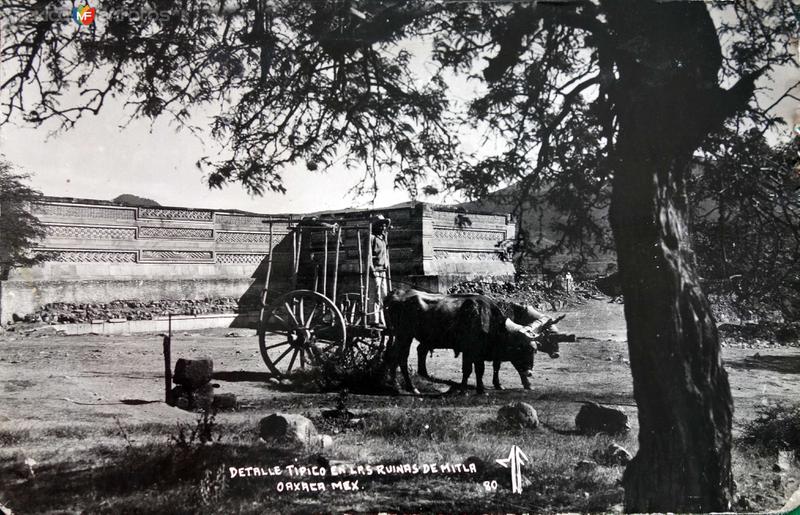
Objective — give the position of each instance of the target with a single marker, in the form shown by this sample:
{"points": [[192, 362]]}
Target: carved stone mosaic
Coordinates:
{"points": [[175, 214], [176, 233], [79, 232], [240, 259], [468, 219], [91, 256], [254, 221], [249, 237], [466, 256], [177, 255], [96, 212], [456, 234]]}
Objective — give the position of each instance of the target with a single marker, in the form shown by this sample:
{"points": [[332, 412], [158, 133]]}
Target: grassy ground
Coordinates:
{"points": [[79, 407]]}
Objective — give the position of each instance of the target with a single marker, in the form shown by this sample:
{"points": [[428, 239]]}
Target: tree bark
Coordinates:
{"points": [[680, 386], [679, 383]]}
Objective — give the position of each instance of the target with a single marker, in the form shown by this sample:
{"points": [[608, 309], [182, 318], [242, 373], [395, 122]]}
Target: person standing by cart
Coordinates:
{"points": [[379, 267]]}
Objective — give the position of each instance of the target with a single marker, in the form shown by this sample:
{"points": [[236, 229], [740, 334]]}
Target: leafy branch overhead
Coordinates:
{"points": [[290, 81], [581, 104], [324, 82]]}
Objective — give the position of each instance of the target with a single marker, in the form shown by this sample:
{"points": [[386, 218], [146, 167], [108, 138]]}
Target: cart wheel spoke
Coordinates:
{"points": [[283, 321], [311, 316], [287, 342], [301, 313], [291, 362], [283, 355], [291, 314]]}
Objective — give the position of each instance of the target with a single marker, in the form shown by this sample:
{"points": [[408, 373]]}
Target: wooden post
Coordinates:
{"points": [[336, 262], [168, 362], [388, 261], [299, 253], [361, 274], [294, 258], [325, 266], [269, 270], [369, 264]]}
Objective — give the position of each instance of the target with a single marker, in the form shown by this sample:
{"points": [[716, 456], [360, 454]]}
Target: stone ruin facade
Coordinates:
{"points": [[101, 252]]}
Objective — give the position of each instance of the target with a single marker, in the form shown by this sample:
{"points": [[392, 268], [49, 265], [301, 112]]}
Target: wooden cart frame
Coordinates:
{"points": [[305, 327]]}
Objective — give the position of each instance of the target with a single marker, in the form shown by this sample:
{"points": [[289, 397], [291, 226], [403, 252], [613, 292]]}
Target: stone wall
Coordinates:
{"points": [[99, 251]]}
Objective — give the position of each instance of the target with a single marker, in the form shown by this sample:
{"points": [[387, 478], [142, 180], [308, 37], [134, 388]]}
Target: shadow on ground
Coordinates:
{"points": [[242, 376], [782, 364]]}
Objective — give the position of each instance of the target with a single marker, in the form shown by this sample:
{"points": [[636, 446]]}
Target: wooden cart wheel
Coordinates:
{"points": [[298, 330]]}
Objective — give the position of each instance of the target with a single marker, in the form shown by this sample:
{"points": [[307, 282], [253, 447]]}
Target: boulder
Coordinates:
{"points": [[225, 402], [180, 397], [287, 430], [518, 414], [614, 454], [594, 418], [192, 399], [193, 373]]}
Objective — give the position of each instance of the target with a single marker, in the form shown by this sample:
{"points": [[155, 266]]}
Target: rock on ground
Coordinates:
{"points": [[225, 402], [518, 414], [180, 397], [193, 399], [284, 429], [614, 454], [193, 373], [594, 418]]}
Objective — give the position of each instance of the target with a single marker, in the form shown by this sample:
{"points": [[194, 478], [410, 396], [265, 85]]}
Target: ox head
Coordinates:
{"points": [[521, 348], [531, 336]]}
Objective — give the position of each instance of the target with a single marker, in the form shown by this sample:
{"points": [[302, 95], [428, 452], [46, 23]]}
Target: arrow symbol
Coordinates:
{"points": [[516, 458]]}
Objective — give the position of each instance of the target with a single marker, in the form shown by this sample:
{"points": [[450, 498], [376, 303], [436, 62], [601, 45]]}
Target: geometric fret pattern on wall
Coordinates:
{"points": [[175, 214], [62, 210], [240, 259], [92, 256], [454, 255], [249, 237], [177, 255], [455, 234], [178, 233], [90, 233]]}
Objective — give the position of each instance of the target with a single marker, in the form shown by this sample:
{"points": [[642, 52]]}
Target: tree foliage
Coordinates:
{"points": [[746, 221], [577, 97], [20, 231]]}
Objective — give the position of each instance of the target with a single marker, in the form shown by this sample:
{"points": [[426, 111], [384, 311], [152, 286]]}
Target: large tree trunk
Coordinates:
{"points": [[667, 81], [680, 386]]}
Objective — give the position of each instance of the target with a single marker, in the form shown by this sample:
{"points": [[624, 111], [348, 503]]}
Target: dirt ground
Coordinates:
{"points": [[66, 397]]}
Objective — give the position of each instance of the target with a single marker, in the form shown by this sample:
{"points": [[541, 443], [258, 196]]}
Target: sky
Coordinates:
{"points": [[100, 160]]}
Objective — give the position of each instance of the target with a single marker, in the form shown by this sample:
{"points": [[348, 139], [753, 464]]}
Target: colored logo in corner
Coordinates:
{"points": [[516, 458], [83, 14]]}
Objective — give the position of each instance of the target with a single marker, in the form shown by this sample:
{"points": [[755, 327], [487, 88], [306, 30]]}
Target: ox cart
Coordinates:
{"points": [[315, 322]]}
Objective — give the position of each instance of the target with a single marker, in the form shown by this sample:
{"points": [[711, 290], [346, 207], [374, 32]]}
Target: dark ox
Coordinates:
{"points": [[471, 325]]}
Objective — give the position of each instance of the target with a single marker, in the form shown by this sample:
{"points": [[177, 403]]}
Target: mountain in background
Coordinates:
{"points": [[539, 222], [133, 200]]}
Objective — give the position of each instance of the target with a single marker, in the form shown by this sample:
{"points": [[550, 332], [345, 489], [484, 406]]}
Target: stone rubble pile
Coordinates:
{"points": [[67, 313], [543, 296]]}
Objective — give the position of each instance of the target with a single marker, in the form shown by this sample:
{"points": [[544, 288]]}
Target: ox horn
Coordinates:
{"points": [[512, 326]]}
